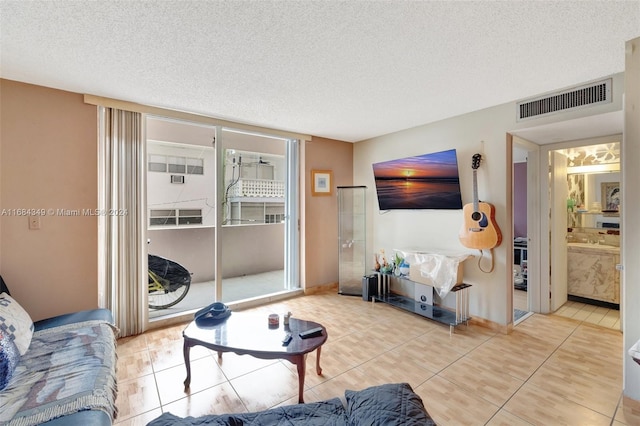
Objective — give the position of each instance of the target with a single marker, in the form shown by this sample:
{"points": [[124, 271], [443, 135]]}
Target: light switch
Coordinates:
{"points": [[34, 222]]}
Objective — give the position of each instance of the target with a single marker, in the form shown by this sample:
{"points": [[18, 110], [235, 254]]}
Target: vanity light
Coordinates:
{"points": [[594, 168]]}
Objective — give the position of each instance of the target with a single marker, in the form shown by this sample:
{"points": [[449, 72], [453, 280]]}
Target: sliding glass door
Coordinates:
{"points": [[181, 177], [257, 214], [222, 215]]}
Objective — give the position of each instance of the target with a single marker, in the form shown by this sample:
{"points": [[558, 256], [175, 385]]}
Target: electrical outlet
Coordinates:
{"points": [[34, 222]]}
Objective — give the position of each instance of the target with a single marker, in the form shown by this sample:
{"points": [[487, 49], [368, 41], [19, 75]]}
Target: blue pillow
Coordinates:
{"points": [[15, 322], [9, 357]]}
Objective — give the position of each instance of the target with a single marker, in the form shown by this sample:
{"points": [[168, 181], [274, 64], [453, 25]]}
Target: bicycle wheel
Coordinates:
{"points": [[169, 282], [165, 298]]}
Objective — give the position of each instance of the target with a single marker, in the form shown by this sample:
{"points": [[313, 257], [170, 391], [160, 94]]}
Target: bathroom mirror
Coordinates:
{"points": [[593, 178]]}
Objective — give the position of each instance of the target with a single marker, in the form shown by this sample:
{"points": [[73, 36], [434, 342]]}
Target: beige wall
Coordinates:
{"points": [[630, 252], [320, 215], [437, 230], [48, 140]]}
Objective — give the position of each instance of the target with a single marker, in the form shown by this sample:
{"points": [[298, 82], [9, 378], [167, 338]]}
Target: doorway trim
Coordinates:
{"points": [[534, 293], [544, 185]]}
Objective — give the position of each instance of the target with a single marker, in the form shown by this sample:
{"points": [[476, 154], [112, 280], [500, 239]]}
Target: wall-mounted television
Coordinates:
{"points": [[428, 181]]}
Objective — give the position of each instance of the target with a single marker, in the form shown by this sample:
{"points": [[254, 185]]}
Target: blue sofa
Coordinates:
{"points": [[67, 353]]}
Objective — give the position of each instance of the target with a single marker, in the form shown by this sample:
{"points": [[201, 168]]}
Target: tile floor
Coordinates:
{"points": [[551, 370], [605, 317], [598, 315]]}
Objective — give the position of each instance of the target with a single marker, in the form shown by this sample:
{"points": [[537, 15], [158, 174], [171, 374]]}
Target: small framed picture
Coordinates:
{"points": [[610, 198], [321, 182]]}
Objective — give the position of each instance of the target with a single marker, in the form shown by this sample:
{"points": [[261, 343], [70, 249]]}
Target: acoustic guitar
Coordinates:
{"points": [[479, 230]]}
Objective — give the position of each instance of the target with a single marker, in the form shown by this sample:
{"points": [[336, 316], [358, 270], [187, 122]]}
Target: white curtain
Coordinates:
{"points": [[122, 262]]}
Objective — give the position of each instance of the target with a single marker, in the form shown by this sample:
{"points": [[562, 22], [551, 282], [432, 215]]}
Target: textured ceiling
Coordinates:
{"points": [[347, 70]]}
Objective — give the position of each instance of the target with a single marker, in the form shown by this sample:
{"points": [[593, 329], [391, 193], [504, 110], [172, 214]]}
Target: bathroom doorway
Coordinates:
{"points": [[584, 243], [540, 140]]}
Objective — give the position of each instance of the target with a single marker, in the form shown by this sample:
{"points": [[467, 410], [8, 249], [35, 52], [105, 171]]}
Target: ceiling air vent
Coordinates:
{"points": [[591, 94]]}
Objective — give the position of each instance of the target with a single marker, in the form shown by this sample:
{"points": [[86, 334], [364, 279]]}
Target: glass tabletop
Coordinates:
{"points": [[250, 332]]}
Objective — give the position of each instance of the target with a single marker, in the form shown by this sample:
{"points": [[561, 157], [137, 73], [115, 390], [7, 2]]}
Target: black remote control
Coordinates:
{"points": [[287, 338], [314, 332]]}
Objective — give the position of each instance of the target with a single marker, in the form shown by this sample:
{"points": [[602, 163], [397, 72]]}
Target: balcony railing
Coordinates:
{"points": [[257, 188]]}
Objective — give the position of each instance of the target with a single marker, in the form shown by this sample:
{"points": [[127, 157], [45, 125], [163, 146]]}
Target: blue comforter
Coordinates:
{"points": [[388, 404], [67, 369]]}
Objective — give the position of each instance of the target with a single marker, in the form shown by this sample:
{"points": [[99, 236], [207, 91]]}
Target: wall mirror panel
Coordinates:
{"points": [[593, 177]]}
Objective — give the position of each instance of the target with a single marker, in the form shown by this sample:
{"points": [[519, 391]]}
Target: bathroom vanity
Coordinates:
{"points": [[592, 272]]}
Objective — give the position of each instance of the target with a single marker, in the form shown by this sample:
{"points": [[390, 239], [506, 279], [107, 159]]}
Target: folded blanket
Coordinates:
{"points": [[390, 404], [325, 413], [66, 369]]}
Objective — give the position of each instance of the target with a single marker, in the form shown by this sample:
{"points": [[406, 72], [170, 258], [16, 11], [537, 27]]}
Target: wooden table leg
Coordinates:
{"points": [[318, 368], [300, 362], [186, 349]]}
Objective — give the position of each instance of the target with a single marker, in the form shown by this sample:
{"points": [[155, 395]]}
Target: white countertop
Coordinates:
{"points": [[593, 247]]}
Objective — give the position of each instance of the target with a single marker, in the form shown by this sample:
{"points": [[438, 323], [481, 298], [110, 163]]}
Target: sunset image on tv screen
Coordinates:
{"points": [[428, 181]]}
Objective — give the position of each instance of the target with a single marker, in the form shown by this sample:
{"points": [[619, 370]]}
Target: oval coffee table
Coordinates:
{"points": [[250, 334]]}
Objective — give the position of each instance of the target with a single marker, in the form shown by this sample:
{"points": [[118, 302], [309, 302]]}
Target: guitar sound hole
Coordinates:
{"points": [[476, 216]]}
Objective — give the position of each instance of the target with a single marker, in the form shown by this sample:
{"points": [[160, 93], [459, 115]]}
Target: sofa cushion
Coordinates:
{"points": [[15, 322], [9, 357], [82, 418], [388, 404], [99, 314]]}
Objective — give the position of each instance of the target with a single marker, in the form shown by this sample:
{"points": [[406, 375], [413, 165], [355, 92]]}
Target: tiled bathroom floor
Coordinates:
{"points": [[604, 317]]}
